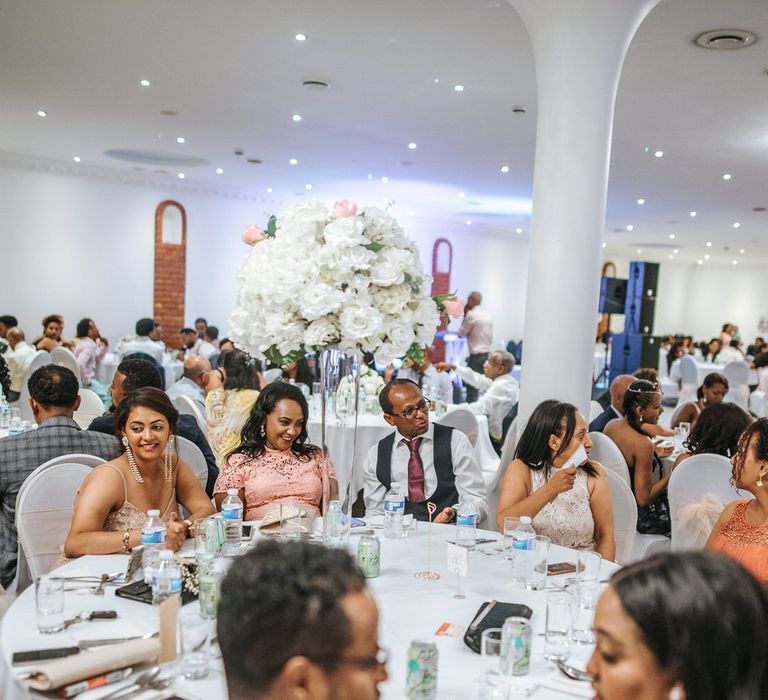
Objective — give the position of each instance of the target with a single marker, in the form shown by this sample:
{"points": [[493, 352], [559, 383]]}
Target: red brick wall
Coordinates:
{"points": [[170, 277]]}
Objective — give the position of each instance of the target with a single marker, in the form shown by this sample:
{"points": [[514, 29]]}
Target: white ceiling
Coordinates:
{"points": [[232, 71]]}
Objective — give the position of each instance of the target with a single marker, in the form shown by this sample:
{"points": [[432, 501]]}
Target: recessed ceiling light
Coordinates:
{"points": [[734, 262], [411, 213], [462, 195], [76, 159], [604, 244], [412, 146], [468, 222], [692, 214], [385, 179], [707, 256], [699, 262], [725, 39], [181, 176], [518, 230], [671, 236], [435, 81], [741, 251], [144, 83], [293, 161], [307, 187], [736, 224], [458, 88], [659, 154], [269, 189], [676, 251], [639, 251], [296, 117], [301, 37], [727, 176], [709, 244], [641, 201], [180, 139], [630, 227], [671, 257], [42, 113], [385, 200], [219, 171], [505, 168]]}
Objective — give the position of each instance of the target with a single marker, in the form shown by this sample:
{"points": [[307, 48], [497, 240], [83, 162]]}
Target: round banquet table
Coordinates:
{"points": [[370, 429], [409, 609]]}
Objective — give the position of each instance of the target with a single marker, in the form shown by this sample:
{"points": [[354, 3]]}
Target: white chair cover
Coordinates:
{"points": [[605, 451], [689, 380], [462, 419], [41, 358], [694, 479], [737, 374], [624, 517], [510, 443], [669, 388], [44, 508], [191, 454], [186, 405], [64, 357], [90, 403], [595, 409], [272, 375], [75, 458]]}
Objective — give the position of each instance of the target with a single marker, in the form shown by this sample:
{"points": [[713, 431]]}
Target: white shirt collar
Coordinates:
{"points": [[400, 439]]}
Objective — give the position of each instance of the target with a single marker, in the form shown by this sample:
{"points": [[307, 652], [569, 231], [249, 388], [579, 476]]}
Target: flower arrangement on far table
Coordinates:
{"points": [[371, 383]]}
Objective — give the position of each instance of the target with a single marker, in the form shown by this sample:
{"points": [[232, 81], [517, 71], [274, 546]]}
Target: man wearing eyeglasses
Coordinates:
{"points": [[297, 621], [431, 462]]}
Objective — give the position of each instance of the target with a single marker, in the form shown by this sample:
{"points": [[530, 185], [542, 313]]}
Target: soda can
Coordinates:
{"points": [[516, 646], [369, 556], [421, 677]]}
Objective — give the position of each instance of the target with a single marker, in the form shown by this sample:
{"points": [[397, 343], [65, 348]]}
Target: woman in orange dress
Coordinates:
{"points": [[742, 530]]}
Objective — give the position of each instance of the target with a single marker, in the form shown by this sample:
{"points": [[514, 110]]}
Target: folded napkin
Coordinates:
{"points": [[281, 517], [54, 674], [566, 686]]}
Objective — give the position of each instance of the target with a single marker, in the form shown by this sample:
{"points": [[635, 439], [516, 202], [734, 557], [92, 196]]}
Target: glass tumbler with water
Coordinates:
{"points": [[49, 600], [557, 642], [194, 635]]}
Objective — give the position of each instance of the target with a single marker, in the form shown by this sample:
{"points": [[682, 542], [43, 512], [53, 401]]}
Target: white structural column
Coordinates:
{"points": [[579, 48]]}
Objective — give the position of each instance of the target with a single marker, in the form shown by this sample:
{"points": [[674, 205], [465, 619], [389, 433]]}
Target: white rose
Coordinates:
{"points": [[355, 258], [400, 334], [360, 322], [387, 352], [345, 232], [319, 299], [386, 275], [321, 333], [390, 299]]}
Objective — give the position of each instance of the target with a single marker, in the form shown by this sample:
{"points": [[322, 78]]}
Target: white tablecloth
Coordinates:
{"points": [[372, 428], [410, 609], [107, 367]]}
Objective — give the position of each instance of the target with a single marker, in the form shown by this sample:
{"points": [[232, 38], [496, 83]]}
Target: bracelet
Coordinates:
{"points": [[190, 527], [126, 538]]}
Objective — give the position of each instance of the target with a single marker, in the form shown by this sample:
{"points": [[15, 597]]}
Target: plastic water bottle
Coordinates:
{"points": [[5, 412], [394, 510], [152, 542], [166, 579], [332, 524], [523, 542], [232, 511], [466, 524]]}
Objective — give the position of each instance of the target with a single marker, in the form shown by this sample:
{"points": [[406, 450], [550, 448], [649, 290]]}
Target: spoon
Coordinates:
{"points": [[100, 589], [572, 672], [139, 683]]}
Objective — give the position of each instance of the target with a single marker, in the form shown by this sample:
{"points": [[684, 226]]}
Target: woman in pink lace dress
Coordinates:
{"points": [[742, 530], [113, 501], [274, 462]]}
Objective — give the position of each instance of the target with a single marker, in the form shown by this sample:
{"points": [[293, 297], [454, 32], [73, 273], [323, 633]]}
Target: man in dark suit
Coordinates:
{"points": [[619, 387], [54, 399], [137, 374]]}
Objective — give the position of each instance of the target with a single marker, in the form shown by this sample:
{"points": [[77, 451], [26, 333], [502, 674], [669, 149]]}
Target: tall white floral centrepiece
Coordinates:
{"points": [[339, 281]]}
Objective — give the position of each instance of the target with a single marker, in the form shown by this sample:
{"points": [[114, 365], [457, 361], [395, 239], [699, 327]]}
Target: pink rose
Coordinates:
{"points": [[344, 208], [454, 307], [253, 234]]}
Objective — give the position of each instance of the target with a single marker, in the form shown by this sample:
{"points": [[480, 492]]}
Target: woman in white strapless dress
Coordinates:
{"points": [[552, 481]]}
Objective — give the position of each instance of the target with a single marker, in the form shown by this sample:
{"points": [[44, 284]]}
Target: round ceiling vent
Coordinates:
{"points": [[725, 39], [155, 158]]}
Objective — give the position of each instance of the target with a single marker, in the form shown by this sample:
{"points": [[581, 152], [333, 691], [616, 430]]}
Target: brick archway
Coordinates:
{"points": [[170, 268]]}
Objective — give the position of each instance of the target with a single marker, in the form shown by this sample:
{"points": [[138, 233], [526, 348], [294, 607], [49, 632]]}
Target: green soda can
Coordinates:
{"points": [[421, 677], [369, 556], [516, 646]]}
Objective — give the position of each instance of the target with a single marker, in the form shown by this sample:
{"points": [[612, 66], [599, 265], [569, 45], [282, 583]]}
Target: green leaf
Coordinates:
{"points": [[416, 353], [375, 247], [272, 226], [274, 356]]}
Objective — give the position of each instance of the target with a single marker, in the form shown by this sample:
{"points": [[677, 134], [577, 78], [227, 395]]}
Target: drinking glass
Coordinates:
{"points": [[49, 601], [211, 569], [493, 686], [588, 566], [210, 535], [557, 643], [539, 557], [194, 633], [685, 429], [490, 649], [510, 525], [585, 597]]}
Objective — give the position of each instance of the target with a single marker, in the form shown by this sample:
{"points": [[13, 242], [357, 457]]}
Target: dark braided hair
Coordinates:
{"points": [[639, 393]]}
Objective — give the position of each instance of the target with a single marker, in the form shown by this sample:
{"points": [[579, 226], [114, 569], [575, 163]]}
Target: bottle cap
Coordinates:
{"points": [[232, 492], [525, 519], [166, 554], [154, 513]]}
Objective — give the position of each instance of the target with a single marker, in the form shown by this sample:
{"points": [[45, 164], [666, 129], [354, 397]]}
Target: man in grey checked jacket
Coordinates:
{"points": [[54, 400]]}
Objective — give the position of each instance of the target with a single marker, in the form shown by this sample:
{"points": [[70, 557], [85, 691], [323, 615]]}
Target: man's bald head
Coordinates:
{"points": [[197, 368], [619, 387], [474, 299], [14, 336]]}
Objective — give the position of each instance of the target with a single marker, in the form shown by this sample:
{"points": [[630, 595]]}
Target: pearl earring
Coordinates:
{"points": [[676, 693]]}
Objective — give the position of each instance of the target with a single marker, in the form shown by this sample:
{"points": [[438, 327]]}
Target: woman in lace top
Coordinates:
{"points": [[552, 481], [274, 462], [112, 503], [742, 530], [230, 393]]}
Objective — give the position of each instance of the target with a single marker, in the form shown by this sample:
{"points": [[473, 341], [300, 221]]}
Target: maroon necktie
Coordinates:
{"points": [[415, 473]]}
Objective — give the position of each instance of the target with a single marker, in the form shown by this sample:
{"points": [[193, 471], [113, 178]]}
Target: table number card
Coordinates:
{"points": [[458, 559]]}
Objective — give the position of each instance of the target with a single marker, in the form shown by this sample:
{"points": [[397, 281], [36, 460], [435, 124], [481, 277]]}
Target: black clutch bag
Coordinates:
{"points": [[490, 615]]}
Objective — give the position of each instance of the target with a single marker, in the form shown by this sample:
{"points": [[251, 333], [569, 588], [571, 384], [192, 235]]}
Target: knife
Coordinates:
{"points": [[90, 643]]}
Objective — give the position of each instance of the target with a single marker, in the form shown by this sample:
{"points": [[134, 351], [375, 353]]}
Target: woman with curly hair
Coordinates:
{"points": [[717, 431]]}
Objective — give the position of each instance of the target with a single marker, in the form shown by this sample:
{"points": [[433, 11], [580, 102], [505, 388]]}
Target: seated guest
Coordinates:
{"points": [[651, 374], [433, 383], [5, 377], [157, 335], [53, 326], [713, 350], [139, 374], [682, 626], [300, 372], [142, 343], [552, 480], [6, 323], [297, 621], [712, 391], [500, 387], [211, 336], [431, 462], [54, 399], [193, 345], [192, 383], [615, 410], [113, 501], [18, 358], [200, 326], [742, 530], [642, 406], [727, 334], [226, 344], [90, 349], [731, 353], [753, 350], [230, 394], [274, 461], [717, 431]]}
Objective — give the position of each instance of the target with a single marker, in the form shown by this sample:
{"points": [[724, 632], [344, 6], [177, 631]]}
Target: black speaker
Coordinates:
{"points": [[631, 351], [613, 295], [640, 306], [643, 279]]}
